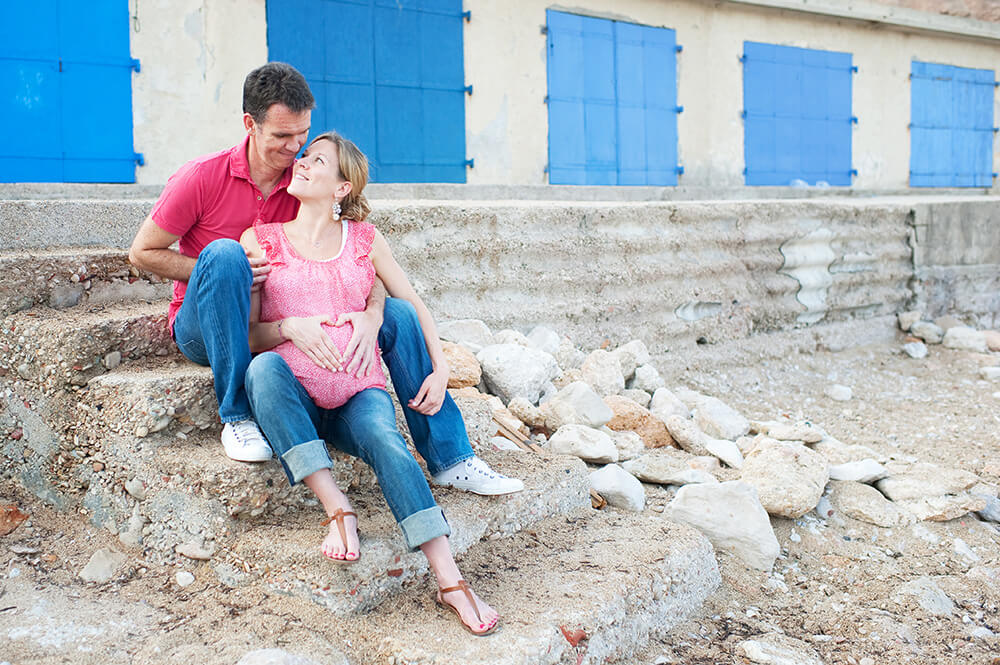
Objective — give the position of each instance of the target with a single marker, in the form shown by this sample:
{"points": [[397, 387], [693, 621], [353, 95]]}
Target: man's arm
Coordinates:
{"points": [[150, 252]]}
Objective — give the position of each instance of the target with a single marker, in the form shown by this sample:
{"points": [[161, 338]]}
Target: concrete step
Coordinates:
{"points": [[55, 348], [66, 278], [284, 550], [622, 579]]}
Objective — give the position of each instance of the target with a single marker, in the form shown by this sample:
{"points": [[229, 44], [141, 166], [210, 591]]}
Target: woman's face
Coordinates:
{"points": [[317, 174]]}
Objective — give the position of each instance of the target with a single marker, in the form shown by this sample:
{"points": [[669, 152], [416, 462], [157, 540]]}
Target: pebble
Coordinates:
{"points": [[184, 578], [102, 566], [282, 657], [195, 550], [778, 649], [907, 319], [839, 393], [727, 451], [990, 373], [24, 371], [473, 334], [619, 488], [927, 594], [927, 331], [916, 350], [584, 442], [112, 360], [603, 372], [647, 378], [789, 477], [863, 471], [717, 419], [545, 339], [965, 339]]}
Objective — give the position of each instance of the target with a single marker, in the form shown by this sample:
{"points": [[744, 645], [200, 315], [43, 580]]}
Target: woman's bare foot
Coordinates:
{"points": [[458, 600], [342, 528]]}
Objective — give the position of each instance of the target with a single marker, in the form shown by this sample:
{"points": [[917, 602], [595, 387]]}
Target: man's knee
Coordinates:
{"points": [[225, 252]]}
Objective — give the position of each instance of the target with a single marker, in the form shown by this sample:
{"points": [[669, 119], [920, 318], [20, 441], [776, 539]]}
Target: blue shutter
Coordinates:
{"points": [[612, 102], [68, 91], [387, 74], [797, 111], [951, 126]]}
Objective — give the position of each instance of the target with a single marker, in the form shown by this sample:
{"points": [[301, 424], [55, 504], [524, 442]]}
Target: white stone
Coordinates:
{"points": [[839, 393], [112, 360], [576, 404], [727, 451], [864, 471], [927, 331], [503, 443], [601, 370], [944, 507], [136, 489], [184, 578], [907, 319], [962, 549], [719, 420], [282, 657], [473, 334], [618, 487], [511, 370], [965, 339], [545, 339], [687, 434], [786, 431], [509, 336], [568, 356], [640, 397], [926, 480], [789, 477], [863, 502], [667, 466], [630, 356], [526, 412], [647, 378], [584, 442], [917, 350], [665, 404], [778, 649], [629, 444], [990, 373], [195, 550], [927, 594], [991, 513], [102, 566], [731, 517]]}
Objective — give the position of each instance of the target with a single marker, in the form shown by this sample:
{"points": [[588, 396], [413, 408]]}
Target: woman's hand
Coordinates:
{"points": [[430, 397], [307, 334], [360, 353]]}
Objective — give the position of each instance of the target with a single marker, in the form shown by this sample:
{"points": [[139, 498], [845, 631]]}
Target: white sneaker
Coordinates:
{"points": [[474, 475], [244, 442]]}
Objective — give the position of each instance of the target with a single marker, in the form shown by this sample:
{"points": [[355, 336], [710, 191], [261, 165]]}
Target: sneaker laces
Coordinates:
{"points": [[245, 431]]}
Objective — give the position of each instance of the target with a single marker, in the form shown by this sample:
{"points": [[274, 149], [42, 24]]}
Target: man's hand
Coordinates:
{"points": [[360, 353], [307, 334], [430, 397], [260, 268]]}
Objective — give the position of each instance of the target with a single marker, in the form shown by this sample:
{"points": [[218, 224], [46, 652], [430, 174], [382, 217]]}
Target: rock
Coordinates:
{"points": [[990, 373], [746, 444], [195, 550], [511, 370], [719, 420], [640, 397], [618, 487], [917, 350], [601, 370], [66, 295], [102, 566], [778, 649], [577, 403], [782, 431], [965, 339], [927, 594], [568, 356], [509, 336], [727, 451], [962, 549], [646, 378], [629, 416], [947, 322], [136, 489], [464, 369], [131, 535], [907, 319], [864, 471], [866, 504], [665, 404], [584, 442], [837, 452], [473, 334], [282, 657], [706, 463], [982, 633], [686, 434], [943, 508], [930, 333], [503, 443], [527, 413], [629, 444], [112, 360], [992, 339], [667, 466], [24, 371], [924, 480], [184, 578], [839, 393], [991, 512], [731, 517], [630, 356], [789, 477], [545, 339]]}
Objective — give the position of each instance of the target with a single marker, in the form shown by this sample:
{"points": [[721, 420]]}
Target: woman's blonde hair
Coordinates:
{"points": [[353, 167]]}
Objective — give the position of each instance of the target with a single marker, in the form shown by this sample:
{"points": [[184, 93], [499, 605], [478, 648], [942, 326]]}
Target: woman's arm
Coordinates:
{"points": [[431, 394]]}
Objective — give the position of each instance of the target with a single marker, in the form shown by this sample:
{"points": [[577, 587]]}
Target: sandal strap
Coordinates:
{"points": [[463, 587], [339, 515]]}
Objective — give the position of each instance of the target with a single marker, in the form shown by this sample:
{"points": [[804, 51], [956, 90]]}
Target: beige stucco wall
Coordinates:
{"points": [[187, 99], [507, 122]]}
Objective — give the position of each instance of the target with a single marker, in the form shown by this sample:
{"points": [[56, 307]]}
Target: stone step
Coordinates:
{"points": [[622, 579], [61, 278], [56, 348], [284, 550]]}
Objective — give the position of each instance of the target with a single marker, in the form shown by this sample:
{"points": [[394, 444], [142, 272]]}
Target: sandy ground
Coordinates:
{"points": [[834, 587]]}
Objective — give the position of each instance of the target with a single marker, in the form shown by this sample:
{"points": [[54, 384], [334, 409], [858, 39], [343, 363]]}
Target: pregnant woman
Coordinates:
{"points": [[323, 263]]}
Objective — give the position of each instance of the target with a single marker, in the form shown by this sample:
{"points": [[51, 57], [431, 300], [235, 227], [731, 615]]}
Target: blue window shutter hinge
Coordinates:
{"points": [[909, 126], [545, 29], [743, 114], [471, 163], [468, 89], [853, 172], [679, 109], [140, 159], [134, 63], [996, 84], [743, 58], [996, 129], [995, 174], [854, 119], [678, 48], [467, 15], [745, 171], [854, 69], [546, 169], [546, 100], [680, 170]]}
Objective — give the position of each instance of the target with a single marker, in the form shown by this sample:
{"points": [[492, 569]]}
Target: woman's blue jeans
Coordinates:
{"points": [[365, 427]]}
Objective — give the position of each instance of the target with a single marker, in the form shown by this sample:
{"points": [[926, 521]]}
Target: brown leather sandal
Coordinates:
{"points": [[338, 517], [464, 587]]}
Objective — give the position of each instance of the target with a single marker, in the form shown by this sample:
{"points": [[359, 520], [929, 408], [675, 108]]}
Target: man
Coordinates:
{"points": [[205, 207]]}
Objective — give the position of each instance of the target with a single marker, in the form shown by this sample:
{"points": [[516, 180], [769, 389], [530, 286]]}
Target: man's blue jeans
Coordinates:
{"points": [[365, 427]]}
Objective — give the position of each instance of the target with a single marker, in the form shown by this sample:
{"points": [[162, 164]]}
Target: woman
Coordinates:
{"points": [[321, 266]]}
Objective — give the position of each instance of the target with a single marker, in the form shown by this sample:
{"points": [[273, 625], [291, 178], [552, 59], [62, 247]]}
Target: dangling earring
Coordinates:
{"points": [[336, 210]]}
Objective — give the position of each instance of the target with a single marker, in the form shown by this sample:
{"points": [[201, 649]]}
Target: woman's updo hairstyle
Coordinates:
{"points": [[353, 167]]}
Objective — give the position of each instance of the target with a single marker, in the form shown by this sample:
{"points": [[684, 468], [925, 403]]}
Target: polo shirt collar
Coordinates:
{"points": [[239, 165]]}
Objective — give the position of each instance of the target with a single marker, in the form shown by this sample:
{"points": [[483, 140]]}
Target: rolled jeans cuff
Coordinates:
{"points": [[305, 459], [424, 525]]}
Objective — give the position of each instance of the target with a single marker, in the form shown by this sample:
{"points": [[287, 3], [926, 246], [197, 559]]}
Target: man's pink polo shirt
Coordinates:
{"points": [[213, 197]]}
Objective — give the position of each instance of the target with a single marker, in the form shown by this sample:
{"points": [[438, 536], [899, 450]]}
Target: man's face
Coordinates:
{"points": [[279, 138]]}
